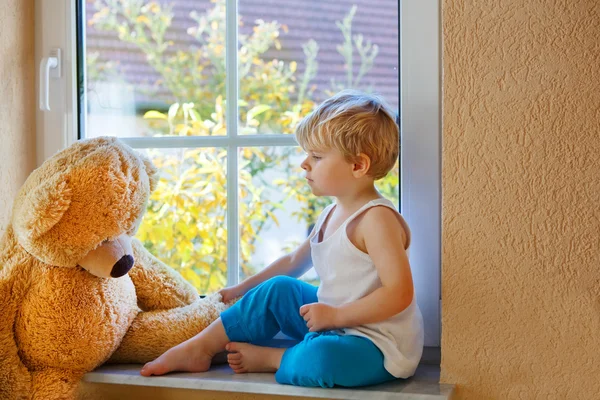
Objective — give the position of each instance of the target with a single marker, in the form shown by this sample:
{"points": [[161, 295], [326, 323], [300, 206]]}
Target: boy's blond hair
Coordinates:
{"points": [[353, 122]]}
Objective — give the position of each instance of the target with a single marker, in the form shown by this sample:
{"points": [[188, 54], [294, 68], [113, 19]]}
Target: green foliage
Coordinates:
{"points": [[185, 223], [185, 220], [365, 49]]}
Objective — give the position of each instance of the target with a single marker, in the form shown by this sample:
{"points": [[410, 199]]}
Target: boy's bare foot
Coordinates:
{"points": [[180, 358], [193, 355], [246, 357]]}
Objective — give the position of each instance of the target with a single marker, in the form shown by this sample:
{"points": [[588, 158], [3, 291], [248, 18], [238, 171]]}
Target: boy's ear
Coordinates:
{"points": [[362, 163]]}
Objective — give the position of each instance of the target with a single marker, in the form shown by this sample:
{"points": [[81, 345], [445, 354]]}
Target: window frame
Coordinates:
{"points": [[420, 126]]}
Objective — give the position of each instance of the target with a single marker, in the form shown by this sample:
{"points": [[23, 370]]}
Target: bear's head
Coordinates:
{"points": [[82, 206]]}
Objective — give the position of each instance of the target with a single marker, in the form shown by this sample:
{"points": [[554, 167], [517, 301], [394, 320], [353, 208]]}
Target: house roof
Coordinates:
{"points": [[376, 20]]}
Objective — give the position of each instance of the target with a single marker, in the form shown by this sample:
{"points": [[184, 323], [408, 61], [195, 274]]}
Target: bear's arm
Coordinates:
{"points": [[158, 286]]}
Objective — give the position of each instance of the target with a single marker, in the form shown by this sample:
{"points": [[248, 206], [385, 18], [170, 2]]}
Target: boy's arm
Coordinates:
{"points": [[385, 243], [385, 240], [293, 264]]}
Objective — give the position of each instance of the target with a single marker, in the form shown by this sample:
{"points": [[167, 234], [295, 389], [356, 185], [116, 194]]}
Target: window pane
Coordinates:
{"points": [[389, 186], [155, 68], [277, 208], [293, 57], [185, 222]]}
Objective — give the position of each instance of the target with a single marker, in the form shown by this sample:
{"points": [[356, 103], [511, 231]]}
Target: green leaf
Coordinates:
{"points": [[257, 110], [194, 115]]}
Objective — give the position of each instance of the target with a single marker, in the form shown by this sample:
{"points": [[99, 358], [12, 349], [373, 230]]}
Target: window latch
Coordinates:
{"points": [[50, 67]]}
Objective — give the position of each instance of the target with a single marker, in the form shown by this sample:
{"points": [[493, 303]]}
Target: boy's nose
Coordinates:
{"points": [[304, 164]]}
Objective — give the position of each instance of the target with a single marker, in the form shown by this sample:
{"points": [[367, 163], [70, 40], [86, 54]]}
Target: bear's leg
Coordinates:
{"points": [[15, 381], [55, 384], [154, 332]]}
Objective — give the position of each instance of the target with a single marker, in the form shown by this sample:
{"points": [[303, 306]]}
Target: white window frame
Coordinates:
{"points": [[420, 111]]}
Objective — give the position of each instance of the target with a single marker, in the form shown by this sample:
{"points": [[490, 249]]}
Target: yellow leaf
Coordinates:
{"points": [[143, 19], [274, 218], [192, 277], [216, 281], [154, 115]]}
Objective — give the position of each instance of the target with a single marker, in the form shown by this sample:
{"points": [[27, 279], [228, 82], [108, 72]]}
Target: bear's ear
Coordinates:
{"points": [[151, 171], [42, 208]]}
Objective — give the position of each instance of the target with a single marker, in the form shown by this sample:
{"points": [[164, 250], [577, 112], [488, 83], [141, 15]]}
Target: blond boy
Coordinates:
{"points": [[362, 325]]}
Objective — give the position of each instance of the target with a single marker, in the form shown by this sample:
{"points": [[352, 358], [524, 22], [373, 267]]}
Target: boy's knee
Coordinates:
{"points": [[283, 284], [275, 288]]}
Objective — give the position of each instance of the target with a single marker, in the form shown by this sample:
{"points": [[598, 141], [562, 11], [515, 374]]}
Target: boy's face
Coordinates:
{"points": [[328, 173]]}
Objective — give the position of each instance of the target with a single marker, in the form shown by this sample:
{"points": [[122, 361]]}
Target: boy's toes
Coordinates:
{"points": [[147, 369], [234, 362], [238, 369], [234, 357], [154, 368], [233, 347]]}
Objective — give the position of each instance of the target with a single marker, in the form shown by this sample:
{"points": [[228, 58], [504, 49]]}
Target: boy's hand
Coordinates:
{"points": [[232, 292], [320, 317]]}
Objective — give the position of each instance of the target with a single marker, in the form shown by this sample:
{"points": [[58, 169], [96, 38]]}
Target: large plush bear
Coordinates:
{"points": [[76, 290]]}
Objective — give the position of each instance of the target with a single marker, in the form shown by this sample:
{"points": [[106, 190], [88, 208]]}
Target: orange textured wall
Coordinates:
{"points": [[17, 111], [521, 199], [521, 193]]}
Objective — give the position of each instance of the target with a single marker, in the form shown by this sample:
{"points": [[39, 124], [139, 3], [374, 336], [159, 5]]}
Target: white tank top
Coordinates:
{"points": [[348, 274]]}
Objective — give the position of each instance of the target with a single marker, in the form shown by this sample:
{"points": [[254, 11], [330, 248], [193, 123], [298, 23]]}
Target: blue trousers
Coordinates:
{"points": [[322, 359]]}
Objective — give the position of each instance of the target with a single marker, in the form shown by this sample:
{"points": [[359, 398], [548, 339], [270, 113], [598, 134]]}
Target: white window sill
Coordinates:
{"points": [[423, 386]]}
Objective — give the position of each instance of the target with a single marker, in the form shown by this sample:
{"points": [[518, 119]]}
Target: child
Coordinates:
{"points": [[362, 325]]}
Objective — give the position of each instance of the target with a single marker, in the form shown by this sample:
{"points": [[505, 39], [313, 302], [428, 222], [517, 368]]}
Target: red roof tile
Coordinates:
{"points": [[376, 20]]}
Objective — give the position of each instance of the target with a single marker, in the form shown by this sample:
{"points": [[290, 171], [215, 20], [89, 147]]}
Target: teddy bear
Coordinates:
{"points": [[76, 288]]}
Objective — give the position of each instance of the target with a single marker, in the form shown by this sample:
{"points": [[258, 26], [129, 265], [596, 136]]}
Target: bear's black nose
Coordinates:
{"points": [[122, 266]]}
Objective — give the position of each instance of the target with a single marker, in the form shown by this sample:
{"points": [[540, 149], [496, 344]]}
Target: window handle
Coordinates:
{"points": [[49, 67]]}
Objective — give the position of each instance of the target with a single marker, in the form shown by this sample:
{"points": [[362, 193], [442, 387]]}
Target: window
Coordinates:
{"points": [[210, 87]]}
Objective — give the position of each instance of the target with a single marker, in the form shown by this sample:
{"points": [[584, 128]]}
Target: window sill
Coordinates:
{"points": [[423, 386]]}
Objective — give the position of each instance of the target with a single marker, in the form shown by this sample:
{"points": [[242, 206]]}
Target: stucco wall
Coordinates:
{"points": [[521, 199], [17, 109], [521, 155]]}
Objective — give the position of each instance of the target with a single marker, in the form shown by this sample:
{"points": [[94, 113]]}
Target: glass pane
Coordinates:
{"points": [[277, 208], [389, 186], [294, 57], [154, 68], [185, 222]]}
